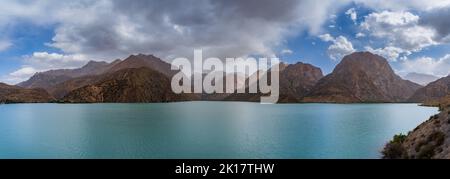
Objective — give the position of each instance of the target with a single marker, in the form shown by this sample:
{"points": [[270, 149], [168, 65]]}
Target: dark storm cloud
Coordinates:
{"points": [[439, 19], [172, 28]]}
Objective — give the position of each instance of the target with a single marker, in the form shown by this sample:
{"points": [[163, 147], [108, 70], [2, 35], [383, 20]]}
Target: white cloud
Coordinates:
{"points": [[4, 45], [326, 37], [286, 51], [401, 5], [360, 34], [427, 65], [352, 13], [26, 71], [339, 48], [390, 53], [43, 61], [400, 31], [19, 75]]}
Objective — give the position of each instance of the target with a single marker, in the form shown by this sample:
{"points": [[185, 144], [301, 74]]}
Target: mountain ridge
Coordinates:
{"points": [[16, 94], [359, 77], [362, 77]]}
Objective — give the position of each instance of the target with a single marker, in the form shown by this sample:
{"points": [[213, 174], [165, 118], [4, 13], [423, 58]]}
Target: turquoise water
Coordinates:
{"points": [[203, 130]]}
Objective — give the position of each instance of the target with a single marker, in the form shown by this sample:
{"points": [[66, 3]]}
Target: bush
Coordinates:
{"points": [[399, 138], [394, 149]]}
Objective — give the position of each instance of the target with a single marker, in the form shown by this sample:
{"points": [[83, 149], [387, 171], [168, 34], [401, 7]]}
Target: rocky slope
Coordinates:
{"points": [[16, 94], [60, 82], [62, 89], [132, 85], [362, 77], [148, 61], [49, 79], [430, 140], [421, 79], [296, 80], [433, 92]]}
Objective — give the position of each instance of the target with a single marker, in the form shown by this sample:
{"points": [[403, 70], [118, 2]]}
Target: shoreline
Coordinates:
{"points": [[419, 104]]}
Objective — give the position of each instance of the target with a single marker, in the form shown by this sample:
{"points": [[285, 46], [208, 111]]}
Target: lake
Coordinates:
{"points": [[203, 130]]}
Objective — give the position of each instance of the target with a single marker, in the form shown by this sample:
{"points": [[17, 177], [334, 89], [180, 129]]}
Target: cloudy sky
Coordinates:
{"points": [[414, 35]]}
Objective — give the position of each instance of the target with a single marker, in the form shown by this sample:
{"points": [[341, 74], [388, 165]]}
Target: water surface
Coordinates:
{"points": [[203, 130]]}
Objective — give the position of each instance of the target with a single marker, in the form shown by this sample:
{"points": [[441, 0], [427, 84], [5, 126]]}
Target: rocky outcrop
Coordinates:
{"points": [[133, 85], [16, 94], [296, 80], [362, 77], [433, 92]]}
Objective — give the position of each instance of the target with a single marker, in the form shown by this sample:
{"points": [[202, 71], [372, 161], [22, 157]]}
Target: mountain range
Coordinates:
{"points": [[359, 77], [130, 85], [433, 92], [296, 81], [419, 78]]}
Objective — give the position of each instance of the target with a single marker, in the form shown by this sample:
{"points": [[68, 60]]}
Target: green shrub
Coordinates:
{"points": [[399, 138], [394, 149]]}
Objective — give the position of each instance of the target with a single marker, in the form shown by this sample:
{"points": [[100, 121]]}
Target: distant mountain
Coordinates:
{"points": [[239, 82], [48, 79], [422, 79], [362, 77], [296, 80], [433, 92], [132, 85], [16, 94], [359, 77], [148, 61], [60, 82]]}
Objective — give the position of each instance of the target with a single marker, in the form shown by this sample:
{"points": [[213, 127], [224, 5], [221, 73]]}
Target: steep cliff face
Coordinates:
{"points": [[62, 89], [60, 82], [362, 77], [429, 140], [296, 80], [433, 92], [133, 85], [15, 94]]}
